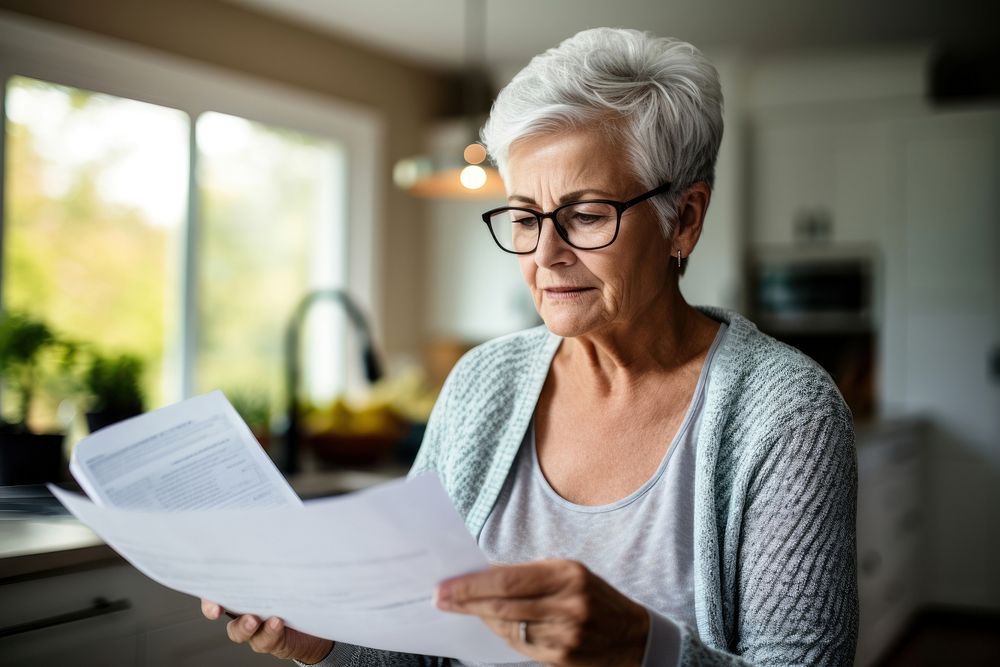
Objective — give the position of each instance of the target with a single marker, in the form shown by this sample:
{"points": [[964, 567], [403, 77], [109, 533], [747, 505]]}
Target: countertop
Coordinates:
{"points": [[34, 545], [42, 543]]}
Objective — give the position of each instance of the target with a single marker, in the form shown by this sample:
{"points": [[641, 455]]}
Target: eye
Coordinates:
{"points": [[586, 214], [525, 221], [589, 217], [583, 218]]}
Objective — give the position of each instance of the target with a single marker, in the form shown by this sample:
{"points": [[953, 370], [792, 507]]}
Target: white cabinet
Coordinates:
{"points": [[110, 616], [950, 328], [890, 534], [792, 176], [836, 172]]}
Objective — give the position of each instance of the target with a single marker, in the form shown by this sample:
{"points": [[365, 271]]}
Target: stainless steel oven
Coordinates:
{"points": [[823, 289]]}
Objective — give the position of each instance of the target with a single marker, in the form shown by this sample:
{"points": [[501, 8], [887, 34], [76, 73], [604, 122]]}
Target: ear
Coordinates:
{"points": [[690, 217]]}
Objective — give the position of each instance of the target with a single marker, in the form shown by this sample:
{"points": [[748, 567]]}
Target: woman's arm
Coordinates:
{"points": [[796, 596]]}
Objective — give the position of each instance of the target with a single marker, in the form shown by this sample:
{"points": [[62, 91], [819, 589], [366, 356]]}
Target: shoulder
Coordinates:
{"points": [[491, 382], [769, 384], [520, 344], [504, 361], [477, 422]]}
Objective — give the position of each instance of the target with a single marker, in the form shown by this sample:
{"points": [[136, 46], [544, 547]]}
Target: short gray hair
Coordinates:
{"points": [[659, 97]]}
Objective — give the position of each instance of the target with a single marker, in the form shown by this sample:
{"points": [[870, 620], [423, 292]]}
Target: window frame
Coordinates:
{"points": [[100, 64]]}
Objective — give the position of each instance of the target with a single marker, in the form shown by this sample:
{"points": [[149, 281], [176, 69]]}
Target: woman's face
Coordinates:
{"points": [[581, 292]]}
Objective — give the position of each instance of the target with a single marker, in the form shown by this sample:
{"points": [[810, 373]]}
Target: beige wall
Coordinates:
{"points": [[404, 95]]}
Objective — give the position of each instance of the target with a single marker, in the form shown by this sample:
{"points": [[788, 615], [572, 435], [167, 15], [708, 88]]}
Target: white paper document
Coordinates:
{"points": [[196, 454], [359, 568]]}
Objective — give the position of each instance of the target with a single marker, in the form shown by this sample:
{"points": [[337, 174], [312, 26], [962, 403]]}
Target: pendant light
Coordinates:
{"points": [[451, 176]]}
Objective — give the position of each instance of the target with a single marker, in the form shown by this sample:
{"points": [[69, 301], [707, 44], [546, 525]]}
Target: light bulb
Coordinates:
{"points": [[473, 177], [474, 153]]}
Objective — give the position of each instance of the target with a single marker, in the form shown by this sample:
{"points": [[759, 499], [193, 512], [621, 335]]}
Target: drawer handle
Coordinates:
{"points": [[100, 607]]}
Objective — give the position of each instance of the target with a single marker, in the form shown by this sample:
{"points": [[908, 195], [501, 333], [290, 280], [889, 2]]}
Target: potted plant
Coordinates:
{"points": [[255, 409], [28, 349], [114, 385]]}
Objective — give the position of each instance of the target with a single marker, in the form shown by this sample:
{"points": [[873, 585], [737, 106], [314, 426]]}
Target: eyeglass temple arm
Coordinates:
{"points": [[652, 193]]}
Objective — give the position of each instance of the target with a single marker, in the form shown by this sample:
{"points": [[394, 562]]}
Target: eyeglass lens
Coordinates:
{"points": [[584, 224]]}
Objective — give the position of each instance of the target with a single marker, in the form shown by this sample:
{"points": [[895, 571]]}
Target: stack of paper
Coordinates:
{"points": [[188, 497]]}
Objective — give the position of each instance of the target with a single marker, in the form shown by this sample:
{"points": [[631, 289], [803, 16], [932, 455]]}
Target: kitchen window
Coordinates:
{"points": [[272, 227], [95, 200], [178, 213]]}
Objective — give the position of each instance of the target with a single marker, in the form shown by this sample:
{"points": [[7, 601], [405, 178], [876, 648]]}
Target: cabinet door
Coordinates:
{"points": [[836, 172], [70, 626], [101, 641], [793, 175], [889, 536], [198, 643]]}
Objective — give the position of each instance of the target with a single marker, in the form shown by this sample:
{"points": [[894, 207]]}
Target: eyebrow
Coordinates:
{"points": [[566, 198]]}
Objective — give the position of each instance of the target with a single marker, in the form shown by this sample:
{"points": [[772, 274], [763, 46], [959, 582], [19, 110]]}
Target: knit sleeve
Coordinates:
{"points": [[796, 599], [348, 655]]}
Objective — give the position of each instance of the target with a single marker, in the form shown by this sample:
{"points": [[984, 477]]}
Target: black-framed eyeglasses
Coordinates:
{"points": [[584, 225]]}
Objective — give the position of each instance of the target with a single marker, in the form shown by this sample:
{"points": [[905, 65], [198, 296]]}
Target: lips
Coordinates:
{"points": [[564, 293]]}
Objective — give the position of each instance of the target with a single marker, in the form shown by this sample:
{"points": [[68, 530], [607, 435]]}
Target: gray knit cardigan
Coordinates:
{"points": [[775, 492]]}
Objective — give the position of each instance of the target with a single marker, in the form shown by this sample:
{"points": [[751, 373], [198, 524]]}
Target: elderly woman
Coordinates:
{"points": [[659, 484]]}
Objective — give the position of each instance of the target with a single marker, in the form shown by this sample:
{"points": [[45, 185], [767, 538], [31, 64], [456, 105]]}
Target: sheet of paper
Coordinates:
{"points": [[196, 454], [360, 568]]}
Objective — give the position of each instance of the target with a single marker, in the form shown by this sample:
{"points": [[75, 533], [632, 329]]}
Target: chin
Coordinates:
{"points": [[560, 331], [567, 327]]}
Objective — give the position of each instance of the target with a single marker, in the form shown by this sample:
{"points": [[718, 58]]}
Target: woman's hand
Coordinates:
{"points": [[574, 618], [271, 636]]}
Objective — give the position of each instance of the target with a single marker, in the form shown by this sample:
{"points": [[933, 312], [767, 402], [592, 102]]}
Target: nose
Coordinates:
{"points": [[552, 249]]}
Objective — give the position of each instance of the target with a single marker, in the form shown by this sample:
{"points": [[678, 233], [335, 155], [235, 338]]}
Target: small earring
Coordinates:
{"points": [[678, 259]]}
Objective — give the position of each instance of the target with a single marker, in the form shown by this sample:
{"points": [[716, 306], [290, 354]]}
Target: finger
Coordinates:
{"points": [[270, 638], [544, 640], [210, 610], [524, 580], [547, 608], [242, 629]]}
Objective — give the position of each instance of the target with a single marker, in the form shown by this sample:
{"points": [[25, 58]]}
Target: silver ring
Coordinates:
{"points": [[522, 632]]}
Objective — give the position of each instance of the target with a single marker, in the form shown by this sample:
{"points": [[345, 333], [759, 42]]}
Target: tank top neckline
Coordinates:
{"points": [[693, 409]]}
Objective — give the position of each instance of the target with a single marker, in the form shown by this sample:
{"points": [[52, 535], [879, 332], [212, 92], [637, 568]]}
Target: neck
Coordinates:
{"points": [[662, 337]]}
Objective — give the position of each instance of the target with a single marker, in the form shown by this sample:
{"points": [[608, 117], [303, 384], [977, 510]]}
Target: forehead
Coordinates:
{"points": [[567, 160]]}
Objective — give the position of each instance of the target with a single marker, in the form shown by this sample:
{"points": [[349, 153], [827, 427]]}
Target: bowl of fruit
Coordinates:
{"points": [[370, 427]]}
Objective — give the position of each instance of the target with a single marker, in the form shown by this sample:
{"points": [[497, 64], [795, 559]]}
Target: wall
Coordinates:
{"points": [[225, 35], [474, 289], [715, 271]]}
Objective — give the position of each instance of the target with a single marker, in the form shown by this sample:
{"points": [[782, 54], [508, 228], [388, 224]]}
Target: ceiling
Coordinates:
{"points": [[431, 32]]}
